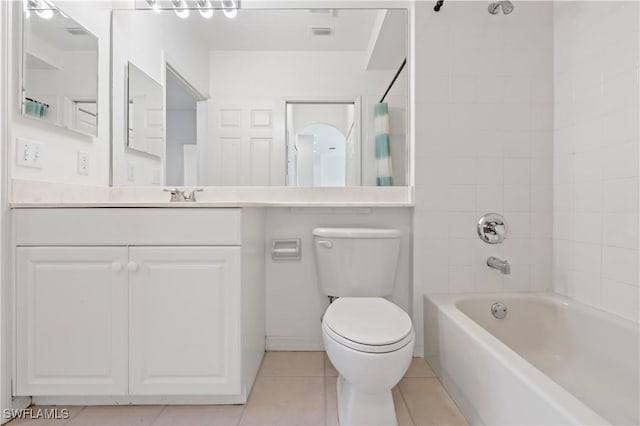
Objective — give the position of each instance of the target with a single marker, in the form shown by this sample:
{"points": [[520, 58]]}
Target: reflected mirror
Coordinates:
{"points": [[60, 70], [289, 97], [145, 112]]}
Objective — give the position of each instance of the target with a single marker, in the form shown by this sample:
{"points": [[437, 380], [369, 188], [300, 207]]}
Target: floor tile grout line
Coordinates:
{"points": [[70, 419], [324, 387], [155, 419], [413, 422], [244, 407]]}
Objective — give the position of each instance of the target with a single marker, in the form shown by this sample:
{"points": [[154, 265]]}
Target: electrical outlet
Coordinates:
{"points": [[83, 163], [131, 172], [155, 177], [29, 154]]}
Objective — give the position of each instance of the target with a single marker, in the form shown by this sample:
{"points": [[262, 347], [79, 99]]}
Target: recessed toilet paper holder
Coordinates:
{"points": [[290, 249]]}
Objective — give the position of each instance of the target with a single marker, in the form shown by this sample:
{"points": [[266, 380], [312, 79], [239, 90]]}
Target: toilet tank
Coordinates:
{"points": [[356, 262]]}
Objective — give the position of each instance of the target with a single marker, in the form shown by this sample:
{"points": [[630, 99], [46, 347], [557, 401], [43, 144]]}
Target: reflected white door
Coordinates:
{"points": [[146, 129], [184, 320], [242, 151]]}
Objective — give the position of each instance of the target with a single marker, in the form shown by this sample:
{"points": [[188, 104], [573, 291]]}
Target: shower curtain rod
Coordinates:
{"points": [[394, 79]]}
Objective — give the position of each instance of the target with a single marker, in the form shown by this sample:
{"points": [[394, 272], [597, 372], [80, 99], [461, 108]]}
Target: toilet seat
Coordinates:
{"points": [[368, 324]]}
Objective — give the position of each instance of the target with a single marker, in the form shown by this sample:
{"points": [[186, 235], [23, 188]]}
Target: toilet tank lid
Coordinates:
{"points": [[356, 233]]}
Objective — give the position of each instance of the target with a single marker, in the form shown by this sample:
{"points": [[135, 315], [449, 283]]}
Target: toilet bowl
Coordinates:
{"points": [[370, 342], [368, 339]]}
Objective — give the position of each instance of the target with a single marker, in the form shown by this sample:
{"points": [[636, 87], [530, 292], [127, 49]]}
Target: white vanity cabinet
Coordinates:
{"points": [[126, 303]]}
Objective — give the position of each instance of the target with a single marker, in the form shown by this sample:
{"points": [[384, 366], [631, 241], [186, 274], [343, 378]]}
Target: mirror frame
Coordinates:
{"points": [[22, 73]]}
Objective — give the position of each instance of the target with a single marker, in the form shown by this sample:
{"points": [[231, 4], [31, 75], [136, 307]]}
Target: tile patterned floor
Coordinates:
{"points": [[292, 388]]}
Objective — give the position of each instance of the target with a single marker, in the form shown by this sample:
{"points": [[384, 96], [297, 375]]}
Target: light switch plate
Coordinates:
{"points": [[29, 154], [131, 172], [155, 177]]}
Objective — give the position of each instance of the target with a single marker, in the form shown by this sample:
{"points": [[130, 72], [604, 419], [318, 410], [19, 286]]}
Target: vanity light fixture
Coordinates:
{"points": [[181, 8], [153, 4], [230, 8], [43, 8], [205, 8]]}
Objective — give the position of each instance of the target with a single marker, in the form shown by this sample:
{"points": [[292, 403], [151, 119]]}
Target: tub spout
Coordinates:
{"points": [[499, 264]]}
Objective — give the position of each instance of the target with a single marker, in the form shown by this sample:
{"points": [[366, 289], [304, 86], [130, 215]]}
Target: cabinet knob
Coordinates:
{"points": [[132, 266], [116, 266]]}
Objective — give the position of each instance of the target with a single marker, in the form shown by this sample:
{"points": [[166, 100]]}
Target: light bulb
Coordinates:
{"points": [[181, 9], [230, 8], [205, 8], [153, 4]]}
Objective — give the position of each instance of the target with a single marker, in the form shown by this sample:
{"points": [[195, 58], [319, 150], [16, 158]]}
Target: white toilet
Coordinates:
{"points": [[368, 339]]}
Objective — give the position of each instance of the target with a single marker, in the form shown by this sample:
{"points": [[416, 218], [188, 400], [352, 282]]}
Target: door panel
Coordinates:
{"points": [[72, 321], [243, 149], [184, 320]]}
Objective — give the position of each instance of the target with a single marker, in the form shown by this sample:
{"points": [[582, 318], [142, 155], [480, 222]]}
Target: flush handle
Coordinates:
{"points": [[325, 244]]}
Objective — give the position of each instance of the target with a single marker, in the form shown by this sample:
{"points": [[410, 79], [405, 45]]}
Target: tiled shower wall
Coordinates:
{"points": [[484, 134], [596, 46]]}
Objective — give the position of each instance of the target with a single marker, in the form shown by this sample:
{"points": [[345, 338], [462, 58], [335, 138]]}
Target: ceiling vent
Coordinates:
{"points": [[77, 31], [322, 31], [328, 12]]}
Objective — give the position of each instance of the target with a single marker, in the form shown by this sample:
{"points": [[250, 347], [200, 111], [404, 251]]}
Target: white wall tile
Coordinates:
{"points": [[490, 171], [519, 279], [621, 195], [517, 171], [461, 198], [481, 148], [517, 198], [620, 230], [620, 161], [620, 298], [461, 278], [620, 264], [587, 227], [595, 153], [489, 198]]}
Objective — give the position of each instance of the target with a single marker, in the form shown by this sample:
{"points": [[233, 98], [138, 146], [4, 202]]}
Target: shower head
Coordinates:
{"points": [[506, 5]]}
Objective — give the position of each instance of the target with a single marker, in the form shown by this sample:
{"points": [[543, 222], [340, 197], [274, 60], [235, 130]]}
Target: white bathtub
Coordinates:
{"points": [[551, 360]]}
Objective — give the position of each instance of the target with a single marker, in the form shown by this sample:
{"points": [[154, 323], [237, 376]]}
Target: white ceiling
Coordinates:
{"points": [[285, 30], [389, 46], [54, 32]]}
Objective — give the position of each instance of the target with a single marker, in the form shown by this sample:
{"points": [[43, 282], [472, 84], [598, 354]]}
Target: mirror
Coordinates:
{"points": [[272, 97], [60, 70], [145, 112]]}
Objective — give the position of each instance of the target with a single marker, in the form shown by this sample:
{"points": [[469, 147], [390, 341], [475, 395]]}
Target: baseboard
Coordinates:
{"points": [[140, 400], [17, 403], [294, 343]]}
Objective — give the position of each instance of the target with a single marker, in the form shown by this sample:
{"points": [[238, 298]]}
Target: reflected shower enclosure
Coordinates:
{"points": [[323, 144]]}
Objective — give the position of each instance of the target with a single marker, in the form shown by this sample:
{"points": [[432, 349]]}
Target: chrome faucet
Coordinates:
{"points": [[499, 264], [181, 195]]}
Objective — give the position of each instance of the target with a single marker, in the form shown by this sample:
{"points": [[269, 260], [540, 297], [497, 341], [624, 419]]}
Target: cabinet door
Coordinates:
{"points": [[71, 321], [184, 320]]}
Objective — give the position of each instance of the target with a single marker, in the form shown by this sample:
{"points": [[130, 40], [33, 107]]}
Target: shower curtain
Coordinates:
{"points": [[383, 145]]}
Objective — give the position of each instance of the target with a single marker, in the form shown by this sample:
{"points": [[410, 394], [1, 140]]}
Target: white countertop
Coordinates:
{"points": [[35, 194]]}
